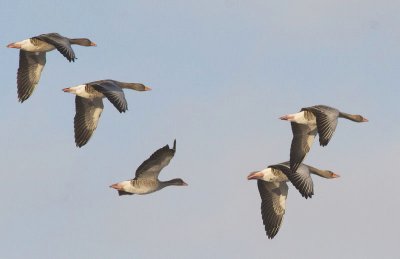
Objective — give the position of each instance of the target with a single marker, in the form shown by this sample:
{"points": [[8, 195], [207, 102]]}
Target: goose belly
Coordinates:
{"points": [[85, 91], [305, 117], [274, 175], [40, 46], [143, 188]]}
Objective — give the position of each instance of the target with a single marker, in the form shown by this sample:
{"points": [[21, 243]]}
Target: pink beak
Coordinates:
{"points": [[255, 175], [365, 120], [335, 175], [66, 90], [146, 88], [116, 186], [93, 44], [14, 46], [287, 117]]}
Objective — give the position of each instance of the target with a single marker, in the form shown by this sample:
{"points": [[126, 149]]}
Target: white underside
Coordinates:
{"points": [[301, 119], [143, 189], [28, 46], [80, 90], [270, 177]]}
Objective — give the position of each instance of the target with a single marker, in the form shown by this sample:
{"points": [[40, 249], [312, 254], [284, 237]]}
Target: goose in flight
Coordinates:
{"points": [[146, 178], [307, 123], [273, 190], [89, 104], [32, 58]]}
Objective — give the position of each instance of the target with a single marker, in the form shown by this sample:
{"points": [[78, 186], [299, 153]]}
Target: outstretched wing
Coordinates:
{"points": [[327, 119], [31, 65], [301, 179], [152, 167], [273, 203], [61, 43], [113, 93], [303, 137], [87, 116]]}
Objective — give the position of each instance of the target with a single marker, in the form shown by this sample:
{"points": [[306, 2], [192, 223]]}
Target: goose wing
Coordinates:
{"points": [[273, 203], [61, 43], [87, 116], [303, 137], [31, 65], [152, 167], [301, 179], [327, 119], [113, 92]]}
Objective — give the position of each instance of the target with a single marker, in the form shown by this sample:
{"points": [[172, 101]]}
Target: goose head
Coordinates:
{"points": [[177, 182], [83, 42]]}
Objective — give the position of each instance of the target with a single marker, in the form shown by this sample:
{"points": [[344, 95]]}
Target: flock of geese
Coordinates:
{"points": [[271, 181]]}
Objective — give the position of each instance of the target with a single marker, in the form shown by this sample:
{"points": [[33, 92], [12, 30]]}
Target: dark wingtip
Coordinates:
{"points": [[22, 98], [79, 145], [323, 144], [174, 148], [120, 193], [308, 195]]}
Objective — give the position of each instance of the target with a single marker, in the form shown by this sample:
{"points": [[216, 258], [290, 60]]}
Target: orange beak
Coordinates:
{"points": [[116, 186], [287, 117], [14, 46], [255, 175]]}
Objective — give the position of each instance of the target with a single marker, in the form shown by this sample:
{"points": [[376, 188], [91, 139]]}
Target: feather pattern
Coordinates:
{"points": [[61, 43], [113, 92], [273, 202], [327, 119], [86, 118], [31, 65], [303, 138], [152, 167], [301, 179]]}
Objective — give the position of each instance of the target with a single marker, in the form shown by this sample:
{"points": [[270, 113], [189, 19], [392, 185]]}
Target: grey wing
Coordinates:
{"points": [[87, 116], [273, 204], [31, 65], [113, 93], [61, 43], [301, 179], [327, 119], [303, 137], [152, 167]]}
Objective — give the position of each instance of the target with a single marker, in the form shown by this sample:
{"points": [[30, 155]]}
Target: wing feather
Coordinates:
{"points": [[86, 118], [273, 203], [301, 179], [327, 119], [31, 65], [61, 43], [113, 92], [152, 167], [303, 137]]}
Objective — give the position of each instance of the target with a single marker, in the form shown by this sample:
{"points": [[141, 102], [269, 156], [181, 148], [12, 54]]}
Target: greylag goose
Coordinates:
{"points": [[273, 189], [307, 123], [146, 177], [89, 104], [32, 58]]}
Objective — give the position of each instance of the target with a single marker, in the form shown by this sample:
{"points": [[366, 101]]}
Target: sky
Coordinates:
{"points": [[222, 73]]}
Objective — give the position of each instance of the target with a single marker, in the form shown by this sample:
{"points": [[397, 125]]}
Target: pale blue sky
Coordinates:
{"points": [[222, 72]]}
